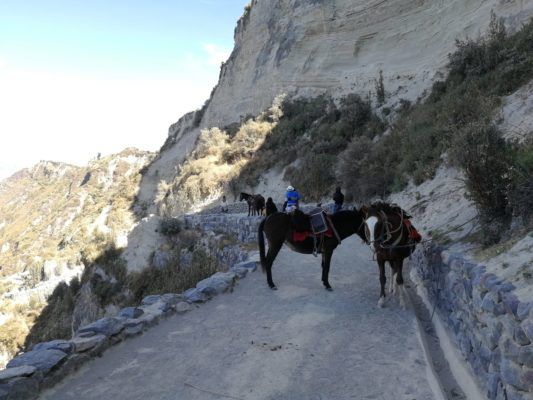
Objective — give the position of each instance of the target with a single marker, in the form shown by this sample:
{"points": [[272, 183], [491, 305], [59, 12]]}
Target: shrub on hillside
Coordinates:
{"points": [[314, 175], [315, 131], [170, 226], [12, 336], [521, 191], [480, 72], [486, 160], [55, 320], [172, 278]]}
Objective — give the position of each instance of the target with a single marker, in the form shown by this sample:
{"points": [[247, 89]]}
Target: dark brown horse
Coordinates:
{"points": [[392, 238], [256, 203], [278, 229]]}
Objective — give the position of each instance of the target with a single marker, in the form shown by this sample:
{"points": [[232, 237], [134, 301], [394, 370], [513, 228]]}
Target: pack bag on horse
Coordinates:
{"points": [[256, 203], [392, 237], [307, 234]]}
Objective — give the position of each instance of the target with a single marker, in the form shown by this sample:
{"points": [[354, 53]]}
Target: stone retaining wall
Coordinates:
{"points": [[242, 227], [491, 327]]}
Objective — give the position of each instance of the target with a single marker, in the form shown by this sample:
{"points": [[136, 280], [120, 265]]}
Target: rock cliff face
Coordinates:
{"points": [[308, 47]]}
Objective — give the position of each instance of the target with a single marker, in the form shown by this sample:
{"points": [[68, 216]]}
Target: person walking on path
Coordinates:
{"points": [[270, 207], [338, 198], [224, 205]]}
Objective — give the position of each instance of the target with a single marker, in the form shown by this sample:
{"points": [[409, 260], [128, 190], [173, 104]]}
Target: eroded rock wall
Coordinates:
{"points": [[309, 47]]}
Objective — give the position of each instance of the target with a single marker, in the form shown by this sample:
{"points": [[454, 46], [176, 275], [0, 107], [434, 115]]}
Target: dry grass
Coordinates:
{"points": [[218, 158]]}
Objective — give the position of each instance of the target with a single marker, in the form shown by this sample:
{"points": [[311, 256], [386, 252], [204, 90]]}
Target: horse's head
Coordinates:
{"points": [[242, 196], [372, 224]]}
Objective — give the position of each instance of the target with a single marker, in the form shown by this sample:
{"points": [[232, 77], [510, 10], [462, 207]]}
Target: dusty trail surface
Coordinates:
{"points": [[300, 342]]}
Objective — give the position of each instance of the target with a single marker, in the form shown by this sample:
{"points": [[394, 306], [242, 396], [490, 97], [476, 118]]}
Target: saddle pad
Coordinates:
{"points": [[301, 236]]}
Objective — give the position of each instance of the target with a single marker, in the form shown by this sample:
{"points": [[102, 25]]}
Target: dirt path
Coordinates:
{"points": [[300, 342]]}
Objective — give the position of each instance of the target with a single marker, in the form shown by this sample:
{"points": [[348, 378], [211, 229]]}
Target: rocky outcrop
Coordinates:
{"points": [[492, 328], [310, 47]]}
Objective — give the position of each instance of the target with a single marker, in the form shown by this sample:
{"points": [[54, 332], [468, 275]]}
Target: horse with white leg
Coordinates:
{"points": [[392, 238]]}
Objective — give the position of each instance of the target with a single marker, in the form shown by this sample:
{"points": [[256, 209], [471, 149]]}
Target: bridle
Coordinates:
{"points": [[386, 231]]}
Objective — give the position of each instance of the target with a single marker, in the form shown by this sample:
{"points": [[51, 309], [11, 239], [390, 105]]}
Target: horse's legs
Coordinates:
{"points": [[392, 283], [326, 262], [399, 282], [382, 281], [273, 250]]}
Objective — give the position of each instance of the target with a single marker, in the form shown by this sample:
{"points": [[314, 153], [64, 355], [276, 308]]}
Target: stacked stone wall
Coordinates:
{"points": [[492, 328], [240, 226]]}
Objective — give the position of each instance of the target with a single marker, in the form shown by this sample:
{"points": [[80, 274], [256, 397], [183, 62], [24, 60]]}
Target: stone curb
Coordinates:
{"points": [[49, 362]]}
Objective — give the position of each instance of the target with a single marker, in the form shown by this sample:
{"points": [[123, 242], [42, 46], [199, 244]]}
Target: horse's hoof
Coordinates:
{"points": [[381, 302], [329, 289], [274, 287]]}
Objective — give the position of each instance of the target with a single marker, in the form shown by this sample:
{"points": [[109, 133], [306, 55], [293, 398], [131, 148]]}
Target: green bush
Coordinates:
{"points": [[480, 72], [170, 226], [486, 159], [315, 131], [521, 190]]}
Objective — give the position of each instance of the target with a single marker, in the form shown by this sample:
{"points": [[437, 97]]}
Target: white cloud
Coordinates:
{"points": [[216, 54]]}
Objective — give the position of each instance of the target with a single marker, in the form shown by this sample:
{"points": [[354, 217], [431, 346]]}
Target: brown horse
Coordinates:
{"points": [[256, 203], [392, 238], [278, 228]]}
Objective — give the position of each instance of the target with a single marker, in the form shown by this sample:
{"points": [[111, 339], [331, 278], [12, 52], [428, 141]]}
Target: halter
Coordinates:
{"points": [[386, 232]]}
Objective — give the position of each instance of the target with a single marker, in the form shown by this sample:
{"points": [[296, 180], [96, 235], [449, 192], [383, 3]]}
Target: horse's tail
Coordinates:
{"points": [[261, 242]]}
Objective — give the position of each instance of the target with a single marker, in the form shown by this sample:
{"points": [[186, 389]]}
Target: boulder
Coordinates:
{"points": [[239, 271], [250, 265], [183, 307], [63, 345], [130, 312], [82, 344], [9, 373], [217, 283], [149, 300], [42, 360], [194, 295], [104, 326]]}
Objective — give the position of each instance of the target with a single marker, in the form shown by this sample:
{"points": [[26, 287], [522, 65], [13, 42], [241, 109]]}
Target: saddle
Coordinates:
{"points": [[310, 225]]}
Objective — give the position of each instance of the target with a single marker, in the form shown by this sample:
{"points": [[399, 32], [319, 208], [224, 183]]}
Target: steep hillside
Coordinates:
{"points": [[54, 218]]}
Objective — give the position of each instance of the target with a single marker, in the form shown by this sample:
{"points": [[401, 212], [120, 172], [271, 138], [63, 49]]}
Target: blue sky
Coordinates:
{"points": [[82, 77]]}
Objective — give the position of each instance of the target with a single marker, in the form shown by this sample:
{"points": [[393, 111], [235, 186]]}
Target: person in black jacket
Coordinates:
{"points": [[338, 198], [270, 207]]}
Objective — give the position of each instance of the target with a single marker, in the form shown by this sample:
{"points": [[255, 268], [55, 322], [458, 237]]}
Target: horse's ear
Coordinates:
{"points": [[364, 210]]}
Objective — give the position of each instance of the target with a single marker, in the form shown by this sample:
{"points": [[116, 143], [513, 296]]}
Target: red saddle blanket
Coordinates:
{"points": [[301, 236], [413, 233]]}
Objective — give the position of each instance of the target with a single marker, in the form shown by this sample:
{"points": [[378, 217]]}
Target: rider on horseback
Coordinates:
{"points": [[292, 199]]}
